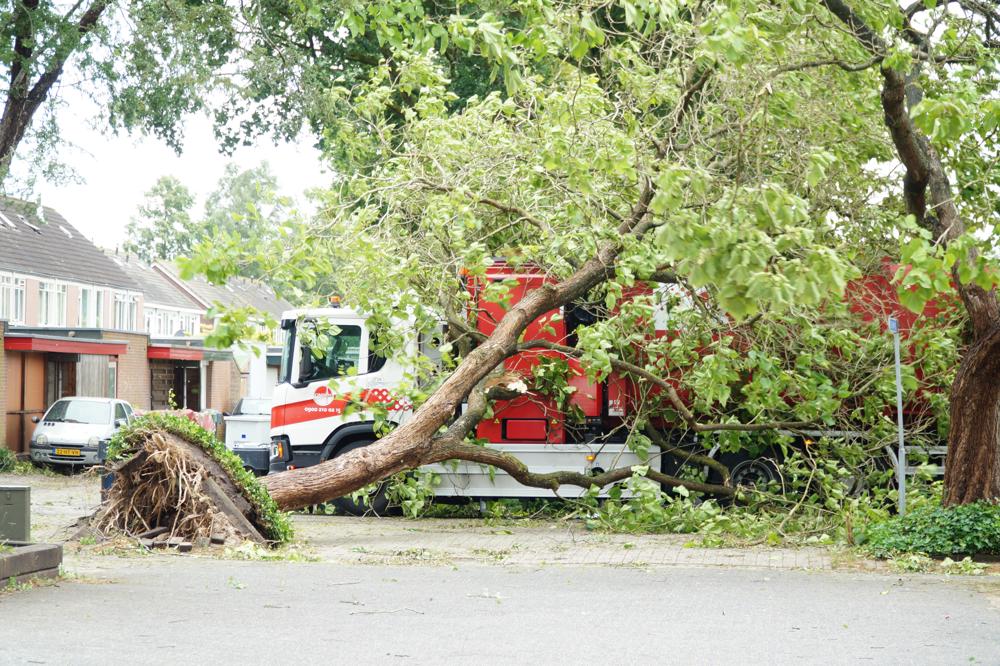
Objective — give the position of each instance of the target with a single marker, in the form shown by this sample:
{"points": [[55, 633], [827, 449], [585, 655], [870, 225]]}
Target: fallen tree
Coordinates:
{"points": [[173, 479], [692, 147]]}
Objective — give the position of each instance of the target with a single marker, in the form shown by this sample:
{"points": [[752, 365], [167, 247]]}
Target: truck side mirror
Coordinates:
{"points": [[35, 419], [120, 423]]}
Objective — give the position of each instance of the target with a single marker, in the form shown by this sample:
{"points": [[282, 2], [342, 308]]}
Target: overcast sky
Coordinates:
{"points": [[117, 171]]}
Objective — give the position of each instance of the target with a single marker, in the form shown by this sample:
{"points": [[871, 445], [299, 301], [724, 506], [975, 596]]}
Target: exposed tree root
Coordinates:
{"points": [[173, 484]]}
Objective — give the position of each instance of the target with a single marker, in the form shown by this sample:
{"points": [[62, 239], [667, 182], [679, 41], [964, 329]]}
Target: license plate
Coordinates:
{"points": [[67, 452]]}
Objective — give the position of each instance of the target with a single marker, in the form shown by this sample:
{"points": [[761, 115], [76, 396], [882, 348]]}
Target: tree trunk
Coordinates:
{"points": [[972, 467], [24, 98]]}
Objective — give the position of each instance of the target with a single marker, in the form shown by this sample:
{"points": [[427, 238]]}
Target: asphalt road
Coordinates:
{"points": [[178, 609]]}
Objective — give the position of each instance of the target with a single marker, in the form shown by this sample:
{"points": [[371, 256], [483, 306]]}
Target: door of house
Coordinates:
{"points": [[25, 397], [187, 386], [60, 378], [96, 376]]}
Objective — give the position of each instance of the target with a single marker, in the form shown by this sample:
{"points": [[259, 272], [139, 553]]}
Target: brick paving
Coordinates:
{"points": [[437, 541], [58, 501]]}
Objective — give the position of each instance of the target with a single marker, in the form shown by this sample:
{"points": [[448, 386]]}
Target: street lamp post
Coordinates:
{"points": [[901, 453]]}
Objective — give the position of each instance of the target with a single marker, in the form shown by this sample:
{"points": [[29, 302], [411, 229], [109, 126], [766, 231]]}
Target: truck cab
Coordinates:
{"points": [[329, 361]]}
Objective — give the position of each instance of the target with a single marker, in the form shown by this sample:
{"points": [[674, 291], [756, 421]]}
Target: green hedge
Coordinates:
{"points": [[127, 440], [969, 529]]}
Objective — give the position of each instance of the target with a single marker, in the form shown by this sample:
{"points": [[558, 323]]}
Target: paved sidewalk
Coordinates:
{"points": [[58, 501], [439, 541]]}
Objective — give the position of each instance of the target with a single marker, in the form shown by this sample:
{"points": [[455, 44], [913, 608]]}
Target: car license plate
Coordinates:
{"points": [[67, 452]]}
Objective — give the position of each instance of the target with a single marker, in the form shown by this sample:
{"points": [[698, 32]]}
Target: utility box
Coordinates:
{"points": [[15, 514]]}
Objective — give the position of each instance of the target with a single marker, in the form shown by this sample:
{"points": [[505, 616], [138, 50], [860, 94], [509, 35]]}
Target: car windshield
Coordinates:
{"points": [[252, 406], [80, 411]]}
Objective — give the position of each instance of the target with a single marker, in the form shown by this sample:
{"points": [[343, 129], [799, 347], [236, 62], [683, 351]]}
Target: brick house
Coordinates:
{"points": [[77, 321], [238, 292], [72, 320]]}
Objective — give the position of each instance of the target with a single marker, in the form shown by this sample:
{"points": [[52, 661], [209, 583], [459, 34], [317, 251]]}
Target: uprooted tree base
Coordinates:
{"points": [[174, 484]]}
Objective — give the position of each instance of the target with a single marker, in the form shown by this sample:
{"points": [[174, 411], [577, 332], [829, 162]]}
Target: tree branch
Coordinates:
{"points": [[846, 66], [925, 174], [686, 455], [86, 23], [453, 450], [499, 205]]}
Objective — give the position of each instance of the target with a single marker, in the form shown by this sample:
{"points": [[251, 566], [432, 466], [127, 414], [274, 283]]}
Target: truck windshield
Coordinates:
{"points": [[80, 411], [333, 353]]}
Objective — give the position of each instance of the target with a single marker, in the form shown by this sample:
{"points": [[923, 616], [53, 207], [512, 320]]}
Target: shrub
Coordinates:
{"points": [[968, 529], [8, 461]]}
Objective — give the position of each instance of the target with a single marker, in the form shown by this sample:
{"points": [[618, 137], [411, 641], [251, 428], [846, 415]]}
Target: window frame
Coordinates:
{"points": [[12, 298], [96, 298], [46, 292], [127, 305], [298, 350]]}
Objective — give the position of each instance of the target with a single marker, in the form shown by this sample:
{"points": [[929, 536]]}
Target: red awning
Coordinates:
{"points": [[63, 345], [165, 353]]}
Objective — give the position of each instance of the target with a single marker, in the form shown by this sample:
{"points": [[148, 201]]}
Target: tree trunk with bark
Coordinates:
{"points": [[24, 94], [972, 471], [972, 465], [414, 443]]}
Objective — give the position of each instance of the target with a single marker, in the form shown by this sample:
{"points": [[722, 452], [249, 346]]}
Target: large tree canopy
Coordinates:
{"points": [[759, 156], [755, 157], [146, 63]]}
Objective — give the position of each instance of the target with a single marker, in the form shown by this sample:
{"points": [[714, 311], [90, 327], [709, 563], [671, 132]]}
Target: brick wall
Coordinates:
{"points": [[72, 305], [31, 302], [237, 385], [218, 385], [133, 369], [161, 381], [224, 385]]}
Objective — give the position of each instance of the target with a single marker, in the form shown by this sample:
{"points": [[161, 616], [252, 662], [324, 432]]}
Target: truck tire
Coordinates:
{"points": [[378, 501], [751, 471]]}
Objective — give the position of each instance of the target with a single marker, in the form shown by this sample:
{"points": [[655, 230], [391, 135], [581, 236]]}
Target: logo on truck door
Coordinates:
{"points": [[323, 396], [325, 404]]}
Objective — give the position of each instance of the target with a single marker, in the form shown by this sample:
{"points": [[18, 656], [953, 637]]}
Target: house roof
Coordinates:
{"points": [[46, 245], [157, 288], [237, 291]]}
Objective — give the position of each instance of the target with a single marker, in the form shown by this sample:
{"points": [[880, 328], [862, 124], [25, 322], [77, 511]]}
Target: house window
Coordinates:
{"points": [[91, 307], [126, 311], [52, 304], [12, 299]]}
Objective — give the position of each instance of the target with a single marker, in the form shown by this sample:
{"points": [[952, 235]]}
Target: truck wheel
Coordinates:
{"points": [[377, 502], [751, 471]]}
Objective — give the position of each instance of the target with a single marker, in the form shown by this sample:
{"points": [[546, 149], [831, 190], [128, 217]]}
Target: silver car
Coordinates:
{"points": [[75, 431]]}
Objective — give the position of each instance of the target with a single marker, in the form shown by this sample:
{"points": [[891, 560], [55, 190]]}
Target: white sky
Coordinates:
{"points": [[118, 170]]}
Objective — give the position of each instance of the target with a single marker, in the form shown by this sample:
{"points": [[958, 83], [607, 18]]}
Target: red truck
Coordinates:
{"points": [[582, 432]]}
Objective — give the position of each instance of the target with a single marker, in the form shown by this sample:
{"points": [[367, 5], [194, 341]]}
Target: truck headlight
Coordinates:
{"points": [[41, 440], [94, 441]]}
